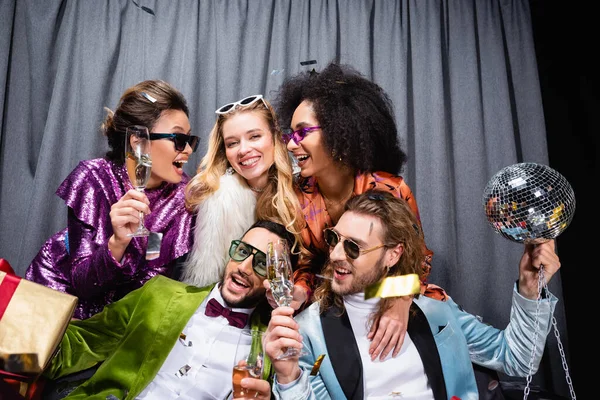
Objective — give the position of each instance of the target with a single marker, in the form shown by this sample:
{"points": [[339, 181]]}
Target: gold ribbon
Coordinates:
{"points": [[394, 286], [317, 365]]}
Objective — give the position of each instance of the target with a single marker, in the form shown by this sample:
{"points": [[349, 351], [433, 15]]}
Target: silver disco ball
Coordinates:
{"points": [[529, 203]]}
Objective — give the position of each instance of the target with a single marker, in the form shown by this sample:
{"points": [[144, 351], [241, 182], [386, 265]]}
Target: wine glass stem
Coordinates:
{"points": [[141, 214]]}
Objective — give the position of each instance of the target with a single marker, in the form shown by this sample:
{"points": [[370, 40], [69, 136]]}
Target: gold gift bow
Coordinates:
{"points": [[394, 286]]}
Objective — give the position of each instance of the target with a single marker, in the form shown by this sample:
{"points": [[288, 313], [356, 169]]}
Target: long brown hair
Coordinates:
{"points": [[400, 226], [141, 104]]}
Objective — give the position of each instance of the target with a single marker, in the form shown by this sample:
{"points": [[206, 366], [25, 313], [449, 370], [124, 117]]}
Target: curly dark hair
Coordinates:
{"points": [[355, 114], [279, 230], [141, 104]]}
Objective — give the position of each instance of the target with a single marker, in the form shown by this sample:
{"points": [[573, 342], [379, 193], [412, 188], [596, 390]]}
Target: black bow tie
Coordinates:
{"points": [[237, 319]]}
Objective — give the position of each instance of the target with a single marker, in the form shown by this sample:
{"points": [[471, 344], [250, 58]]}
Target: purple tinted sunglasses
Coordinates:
{"points": [[298, 135]]}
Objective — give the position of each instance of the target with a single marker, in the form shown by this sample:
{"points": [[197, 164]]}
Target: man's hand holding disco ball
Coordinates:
{"points": [[531, 203], [534, 257]]}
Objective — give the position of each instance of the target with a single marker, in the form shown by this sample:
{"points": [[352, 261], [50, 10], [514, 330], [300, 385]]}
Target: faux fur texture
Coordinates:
{"points": [[221, 218]]}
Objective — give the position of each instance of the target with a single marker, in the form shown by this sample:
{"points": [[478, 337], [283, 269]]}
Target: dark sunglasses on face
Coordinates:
{"points": [[351, 249], [239, 251], [298, 135], [180, 140], [245, 102]]}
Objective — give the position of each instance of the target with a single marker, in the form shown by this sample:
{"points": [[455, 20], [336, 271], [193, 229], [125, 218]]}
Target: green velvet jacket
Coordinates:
{"points": [[132, 338]]}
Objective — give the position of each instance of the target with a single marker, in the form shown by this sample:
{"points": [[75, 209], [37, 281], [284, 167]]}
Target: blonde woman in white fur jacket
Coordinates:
{"points": [[246, 174]]}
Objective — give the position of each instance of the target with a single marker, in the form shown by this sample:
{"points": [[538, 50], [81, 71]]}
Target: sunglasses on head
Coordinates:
{"points": [[245, 102], [239, 251], [297, 135], [352, 250], [180, 140]]}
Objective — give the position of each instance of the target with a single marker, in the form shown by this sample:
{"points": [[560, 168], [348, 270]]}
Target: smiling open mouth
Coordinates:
{"points": [[250, 162], [342, 271], [238, 282]]}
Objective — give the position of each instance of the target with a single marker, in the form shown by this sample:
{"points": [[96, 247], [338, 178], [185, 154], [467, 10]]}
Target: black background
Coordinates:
{"points": [[566, 44]]}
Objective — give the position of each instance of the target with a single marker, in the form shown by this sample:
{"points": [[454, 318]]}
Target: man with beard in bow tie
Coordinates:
{"points": [[377, 242], [169, 340]]}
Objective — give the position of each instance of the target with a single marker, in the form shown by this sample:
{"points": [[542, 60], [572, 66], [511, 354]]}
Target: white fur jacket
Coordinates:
{"points": [[220, 218]]}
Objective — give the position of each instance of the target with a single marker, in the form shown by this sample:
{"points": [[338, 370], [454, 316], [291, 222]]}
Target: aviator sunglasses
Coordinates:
{"points": [[239, 251], [297, 135], [245, 102], [180, 140], [351, 249]]}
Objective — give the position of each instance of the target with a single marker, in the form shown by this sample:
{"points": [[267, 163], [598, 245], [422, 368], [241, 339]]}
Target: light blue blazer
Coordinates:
{"points": [[447, 338]]}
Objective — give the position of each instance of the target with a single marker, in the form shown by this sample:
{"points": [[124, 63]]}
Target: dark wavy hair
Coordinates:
{"points": [[141, 104], [279, 230], [355, 114]]}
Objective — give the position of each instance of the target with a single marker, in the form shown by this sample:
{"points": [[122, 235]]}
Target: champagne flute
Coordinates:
{"points": [[280, 275], [139, 165], [249, 361]]}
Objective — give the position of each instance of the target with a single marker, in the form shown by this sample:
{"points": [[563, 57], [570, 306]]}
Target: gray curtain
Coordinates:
{"points": [[462, 75]]}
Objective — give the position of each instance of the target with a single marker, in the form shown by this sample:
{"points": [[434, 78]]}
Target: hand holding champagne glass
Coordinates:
{"points": [[279, 272], [249, 361], [139, 165], [281, 281]]}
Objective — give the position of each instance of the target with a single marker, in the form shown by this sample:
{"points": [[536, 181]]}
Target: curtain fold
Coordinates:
{"points": [[462, 75], [7, 11]]}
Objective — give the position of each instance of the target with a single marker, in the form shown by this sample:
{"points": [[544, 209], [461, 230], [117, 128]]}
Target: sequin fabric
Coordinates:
{"points": [[88, 269]]}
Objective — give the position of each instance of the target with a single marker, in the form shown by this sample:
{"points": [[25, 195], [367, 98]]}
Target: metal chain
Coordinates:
{"points": [[563, 358], [535, 331], [542, 285]]}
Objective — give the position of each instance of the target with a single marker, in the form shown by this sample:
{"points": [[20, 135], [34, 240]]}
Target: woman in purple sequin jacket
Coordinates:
{"points": [[93, 258]]}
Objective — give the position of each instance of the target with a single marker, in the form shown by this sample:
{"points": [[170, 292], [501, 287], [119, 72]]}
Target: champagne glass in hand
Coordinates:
{"points": [[139, 165], [248, 362], [281, 281]]}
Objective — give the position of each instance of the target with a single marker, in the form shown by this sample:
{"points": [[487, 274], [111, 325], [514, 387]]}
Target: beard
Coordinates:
{"points": [[359, 280], [250, 300]]}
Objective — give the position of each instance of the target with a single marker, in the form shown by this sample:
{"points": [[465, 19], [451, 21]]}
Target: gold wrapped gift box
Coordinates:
{"points": [[33, 319]]}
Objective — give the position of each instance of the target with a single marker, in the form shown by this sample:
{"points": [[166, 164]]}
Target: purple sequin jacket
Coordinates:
{"points": [[76, 260]]}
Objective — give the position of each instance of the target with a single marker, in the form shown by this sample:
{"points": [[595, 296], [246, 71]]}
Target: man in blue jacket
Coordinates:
{"points": [[377, 238]]}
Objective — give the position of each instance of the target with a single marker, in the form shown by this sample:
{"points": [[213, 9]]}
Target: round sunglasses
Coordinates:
{"points": [[239, 251], [179, 139], [352, 250]]}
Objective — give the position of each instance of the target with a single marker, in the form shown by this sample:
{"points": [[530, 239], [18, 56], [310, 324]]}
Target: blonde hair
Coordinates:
{"points": [[278, 201]]}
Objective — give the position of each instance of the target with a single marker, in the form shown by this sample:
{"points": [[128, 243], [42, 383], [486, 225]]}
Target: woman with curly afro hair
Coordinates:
{"points": [[343, 135]]}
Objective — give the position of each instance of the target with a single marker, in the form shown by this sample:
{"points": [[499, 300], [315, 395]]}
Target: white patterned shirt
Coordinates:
{"points": [[201, 365]]}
